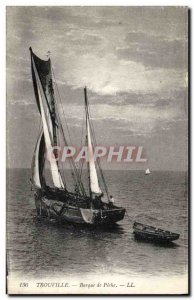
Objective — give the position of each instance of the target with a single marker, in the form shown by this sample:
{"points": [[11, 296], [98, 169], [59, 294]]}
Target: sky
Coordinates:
{"points": [[133, 61]]}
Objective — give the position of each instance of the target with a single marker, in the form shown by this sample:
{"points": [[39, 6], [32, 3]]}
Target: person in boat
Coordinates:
{"points": [[103, 205], [31, 184], [76, 189], [97, 201], [38, 194], [111, 201]]}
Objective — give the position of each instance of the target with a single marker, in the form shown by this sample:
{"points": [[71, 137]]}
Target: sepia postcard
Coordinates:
{"points": [[97, 150]]}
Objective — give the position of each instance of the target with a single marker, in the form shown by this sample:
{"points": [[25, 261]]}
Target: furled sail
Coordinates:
{"points": [[94, 184], [40, 84], [38, 161], [43, 68]]}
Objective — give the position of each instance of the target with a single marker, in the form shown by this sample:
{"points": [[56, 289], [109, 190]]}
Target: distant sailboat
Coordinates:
{"points": [[147, 172]]}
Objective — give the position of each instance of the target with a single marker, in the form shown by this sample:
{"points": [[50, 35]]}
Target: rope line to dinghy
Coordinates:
{"points": [[134, 218], [130, 218]]}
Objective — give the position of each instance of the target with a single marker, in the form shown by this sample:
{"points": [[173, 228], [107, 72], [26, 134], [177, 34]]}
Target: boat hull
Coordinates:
{"points": [[153, 234], [63, 212], [155, 238]]}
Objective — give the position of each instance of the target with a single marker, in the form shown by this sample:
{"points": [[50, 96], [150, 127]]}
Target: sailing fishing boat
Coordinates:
{"points": [[59, 202], [147, 172]]}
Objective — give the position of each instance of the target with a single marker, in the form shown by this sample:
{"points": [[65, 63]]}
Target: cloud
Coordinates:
{"points": [[132, 59], [108, 59], [108, 75], [131, 118], [155, 51]]}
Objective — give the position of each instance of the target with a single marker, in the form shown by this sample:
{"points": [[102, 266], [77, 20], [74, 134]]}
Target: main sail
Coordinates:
{"points": [[41, 74], [38, 161], [93, 177]]}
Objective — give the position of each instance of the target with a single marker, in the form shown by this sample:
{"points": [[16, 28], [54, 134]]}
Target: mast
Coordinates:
{"points": [[53, 110], [88, 165], [93, 177], [90, 126]]}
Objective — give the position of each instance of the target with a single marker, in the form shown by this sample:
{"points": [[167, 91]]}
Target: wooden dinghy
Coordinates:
{"points": [[154, 234]]}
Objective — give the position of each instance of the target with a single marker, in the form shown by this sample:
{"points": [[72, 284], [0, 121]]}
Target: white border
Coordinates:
{"points": [[99, 3], [3, 5]]}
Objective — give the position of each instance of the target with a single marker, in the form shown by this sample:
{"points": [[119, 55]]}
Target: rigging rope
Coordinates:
{"points": [[82, 161], [61, 163], [130, 218], [72, 163]]}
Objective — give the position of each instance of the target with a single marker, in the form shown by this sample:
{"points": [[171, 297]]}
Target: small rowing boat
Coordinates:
{"points": [[151, 233]]}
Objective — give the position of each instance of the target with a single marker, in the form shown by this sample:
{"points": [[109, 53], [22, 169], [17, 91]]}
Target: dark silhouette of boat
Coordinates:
{"points": [[60, 202], [154, 234]]}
